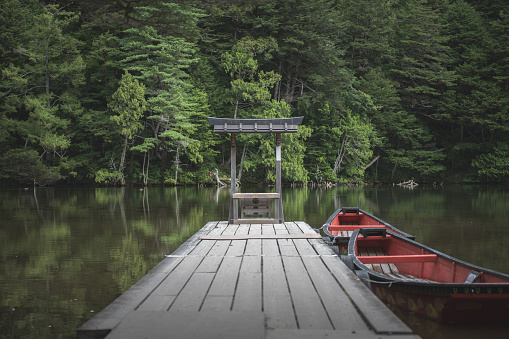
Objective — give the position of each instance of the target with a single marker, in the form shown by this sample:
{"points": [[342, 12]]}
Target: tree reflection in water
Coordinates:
{"points": [[69, 252]]}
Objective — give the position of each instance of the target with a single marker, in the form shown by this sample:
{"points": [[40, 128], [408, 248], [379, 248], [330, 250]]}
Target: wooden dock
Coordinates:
{"points": [[248, 281]]}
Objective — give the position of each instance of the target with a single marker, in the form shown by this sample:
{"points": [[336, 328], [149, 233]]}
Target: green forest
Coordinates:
{"points": [[118, 92]]}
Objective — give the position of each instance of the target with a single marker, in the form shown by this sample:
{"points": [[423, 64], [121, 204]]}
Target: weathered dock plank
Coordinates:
{"points": [[309, 309], [247, 294], [277, 302], [192, 295], [341, 311], [225, 280], [249, 281], [191, 325]]}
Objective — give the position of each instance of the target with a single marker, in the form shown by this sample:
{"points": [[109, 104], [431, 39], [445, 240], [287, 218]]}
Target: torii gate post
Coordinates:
{"points": [[278, 178], [234, 126], [233, 176]]}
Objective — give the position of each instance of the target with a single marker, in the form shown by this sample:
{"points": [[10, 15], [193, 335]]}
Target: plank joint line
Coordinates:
{"points": [[262, 236]]}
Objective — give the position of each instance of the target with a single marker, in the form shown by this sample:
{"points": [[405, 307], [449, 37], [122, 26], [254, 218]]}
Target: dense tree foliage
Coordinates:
{"points": [[119, 91]]}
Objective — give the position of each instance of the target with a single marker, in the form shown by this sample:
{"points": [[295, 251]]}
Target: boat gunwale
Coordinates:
{"points": [[325, 226]]}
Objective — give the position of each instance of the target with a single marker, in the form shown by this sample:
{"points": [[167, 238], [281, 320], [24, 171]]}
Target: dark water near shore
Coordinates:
{"points": [[66, 253]]}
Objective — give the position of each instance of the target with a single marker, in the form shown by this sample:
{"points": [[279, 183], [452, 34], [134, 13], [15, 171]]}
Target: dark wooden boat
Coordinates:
{"points": [[341, 224], [411, 276]]}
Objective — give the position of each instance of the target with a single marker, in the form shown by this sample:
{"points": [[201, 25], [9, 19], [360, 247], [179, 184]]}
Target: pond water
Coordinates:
{"points": [[66, 253]]}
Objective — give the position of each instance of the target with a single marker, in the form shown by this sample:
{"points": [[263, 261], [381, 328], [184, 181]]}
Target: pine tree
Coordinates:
{"points": [[421, 67], [41, 100], [129, 103], [249, 84], [161, 63], [309, 56]]}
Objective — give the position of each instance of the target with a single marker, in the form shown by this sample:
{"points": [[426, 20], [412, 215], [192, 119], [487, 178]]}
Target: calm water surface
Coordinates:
{"points": [[66, 253]]}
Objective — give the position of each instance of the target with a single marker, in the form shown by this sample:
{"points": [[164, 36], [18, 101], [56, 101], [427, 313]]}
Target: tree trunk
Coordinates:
{"points": [[242, 163], [146, 159], [155, 129], [122, 160], [146, 172], [341, 154], [143, 168], [236, 108], [163, 165], [372, 162], [177, 165], [393, 171]]}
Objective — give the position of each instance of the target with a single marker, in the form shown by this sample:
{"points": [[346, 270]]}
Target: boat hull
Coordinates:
{"points": [[418, 279], [447, 307]]}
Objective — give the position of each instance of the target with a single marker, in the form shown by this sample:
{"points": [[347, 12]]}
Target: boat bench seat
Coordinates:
{"points": [[408, 277], [348, 231], [398, 258], [377, 260], [383, 268]]}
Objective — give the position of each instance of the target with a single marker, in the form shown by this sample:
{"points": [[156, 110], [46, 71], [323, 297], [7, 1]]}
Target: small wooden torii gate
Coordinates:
{"points": [[255, 203]]}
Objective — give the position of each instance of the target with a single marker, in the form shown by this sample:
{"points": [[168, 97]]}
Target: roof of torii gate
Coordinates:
{"points": [[276, 125]]}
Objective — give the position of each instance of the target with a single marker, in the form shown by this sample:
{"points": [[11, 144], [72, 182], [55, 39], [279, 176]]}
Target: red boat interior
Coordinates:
{"points": [[403, 260], [348, 221]]}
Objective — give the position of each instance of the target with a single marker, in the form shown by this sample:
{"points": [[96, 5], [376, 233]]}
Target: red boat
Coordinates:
{"points": [[341, 224], [411, 276]]}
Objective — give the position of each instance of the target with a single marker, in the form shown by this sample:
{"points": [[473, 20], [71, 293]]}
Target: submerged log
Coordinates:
{"points": [[408, 183], [223, 182], [219, 182]]}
